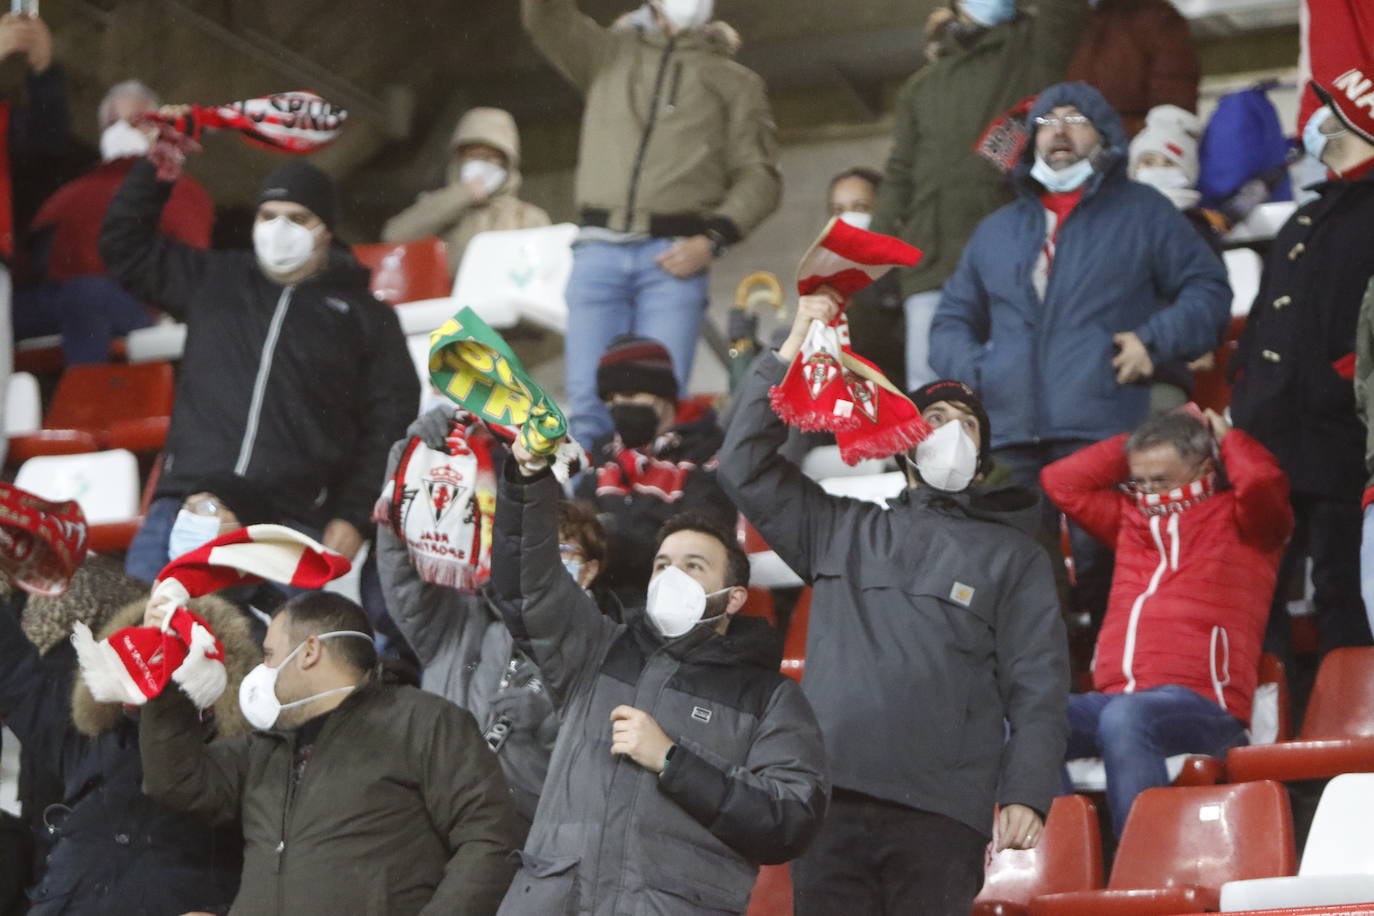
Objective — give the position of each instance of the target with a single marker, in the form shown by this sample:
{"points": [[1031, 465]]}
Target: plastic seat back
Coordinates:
{"points": [[760, 604], [1342, 703], [1343, 815], [772, 894], [104, 484], [98, 397], [1204, 836], [1067, 858], [1272, 671], [407, 271], [23, 404]]}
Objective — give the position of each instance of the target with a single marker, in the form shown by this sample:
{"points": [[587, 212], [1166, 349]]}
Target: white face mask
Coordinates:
{"points": [[189, 532], [122, 139], [282, 246], [857, 219], [947, 459], [489, 174], [1068, 178], [258, 689], [685, 15], [1164, 177], [677, 601]]}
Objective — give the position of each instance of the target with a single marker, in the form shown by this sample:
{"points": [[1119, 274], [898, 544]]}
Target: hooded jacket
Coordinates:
{"points": [[746, 784], [1124, 260], [936, 657], [301, 389], [1190, 590], [673, 126], [116, 852], [675, 473], [936, 190], [451, 212]]}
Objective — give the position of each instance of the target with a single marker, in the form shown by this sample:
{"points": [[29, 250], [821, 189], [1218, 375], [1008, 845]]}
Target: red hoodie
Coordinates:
{"points": [[1191, 590]]}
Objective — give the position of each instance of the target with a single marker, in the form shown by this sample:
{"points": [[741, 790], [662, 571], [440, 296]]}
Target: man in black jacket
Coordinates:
{"points": [[294, 376], [935, 625]]}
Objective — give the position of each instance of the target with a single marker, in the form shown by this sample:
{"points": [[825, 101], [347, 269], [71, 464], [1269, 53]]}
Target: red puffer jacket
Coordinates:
{"points": [[1191, 591]]}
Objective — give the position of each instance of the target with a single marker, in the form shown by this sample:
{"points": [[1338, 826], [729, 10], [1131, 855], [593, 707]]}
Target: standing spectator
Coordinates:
{"points": [[1138, 54], [1197, 555], [936, 191], [933, 619], [685, 759], [353, 794], [483, 178], [435, 592], [678, 162], [76, 297], [294, 376], [875, 312], [659, 461], [1294, 370], [1066, 301]]}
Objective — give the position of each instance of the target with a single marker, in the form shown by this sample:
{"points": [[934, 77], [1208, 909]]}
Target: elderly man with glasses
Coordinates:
{"points": [[1198, 514]]}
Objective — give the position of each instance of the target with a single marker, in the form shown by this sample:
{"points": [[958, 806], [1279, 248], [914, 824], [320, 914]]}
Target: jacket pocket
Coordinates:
{"points": [[677, 895], [544, 886]]}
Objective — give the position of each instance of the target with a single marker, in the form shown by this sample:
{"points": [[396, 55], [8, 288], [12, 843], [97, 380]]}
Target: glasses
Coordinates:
{"points": [[205, 505], [1161, 485], [1066, 121]]}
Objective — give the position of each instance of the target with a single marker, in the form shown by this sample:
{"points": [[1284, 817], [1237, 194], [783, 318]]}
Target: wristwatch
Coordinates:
{"points": [[718, 243]]}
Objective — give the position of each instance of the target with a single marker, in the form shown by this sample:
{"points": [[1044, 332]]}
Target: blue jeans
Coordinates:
{"points": [[88, 312], [618, 289], [920, 312], [1133, 733], [147, 553]]}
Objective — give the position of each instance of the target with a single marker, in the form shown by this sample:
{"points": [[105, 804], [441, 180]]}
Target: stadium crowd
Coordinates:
{"points": [[558, 693]]}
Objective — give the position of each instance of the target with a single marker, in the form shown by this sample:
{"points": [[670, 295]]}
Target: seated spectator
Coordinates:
{"points": [[352, 792], [109, 849], [875, 312], [1139, 54], [715, 762], [659, 461], [294, 377], [75, 297], [434, 557], [1118, 284], [1198, 514], [483, 178], [1164, 156]]}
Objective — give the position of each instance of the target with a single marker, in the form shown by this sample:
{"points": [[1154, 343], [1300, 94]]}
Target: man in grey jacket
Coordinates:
{"points": [[685, 758], [936, 656]]}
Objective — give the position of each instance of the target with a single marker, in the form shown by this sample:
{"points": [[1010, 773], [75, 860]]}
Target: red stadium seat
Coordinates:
{"points": [[760, 604], [794, 645], [407, 271], [1337, 733], [1067, 858], [1208, 771], [772, 892], [1210, 387], [117, 536], [103, 407], [1181, 845]]}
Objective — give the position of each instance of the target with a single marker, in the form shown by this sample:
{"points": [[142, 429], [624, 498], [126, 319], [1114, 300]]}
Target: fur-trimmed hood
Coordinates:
{"points": [[241, 655], [96, 591]]}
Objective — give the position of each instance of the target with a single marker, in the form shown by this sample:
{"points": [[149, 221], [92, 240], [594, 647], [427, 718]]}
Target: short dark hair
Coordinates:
{"points": [[314, 613], [872, 176], [577, 519], [736, 560], [1183, 431]]}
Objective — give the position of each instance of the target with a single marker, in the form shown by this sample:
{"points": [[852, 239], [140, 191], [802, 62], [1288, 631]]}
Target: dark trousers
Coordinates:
{"points": [[1092, 560], [883, 859], [88, 312]]}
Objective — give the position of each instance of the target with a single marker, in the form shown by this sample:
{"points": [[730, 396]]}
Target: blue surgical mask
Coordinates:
{"points": [[191, 531], [989, 13], [1313, 139], [1068, 178], [574, 568]]}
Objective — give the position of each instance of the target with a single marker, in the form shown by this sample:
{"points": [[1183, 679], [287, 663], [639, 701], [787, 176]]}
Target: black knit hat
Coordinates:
{"points": [[958, 393], [301, 183], [633, 364], [250, 502]]}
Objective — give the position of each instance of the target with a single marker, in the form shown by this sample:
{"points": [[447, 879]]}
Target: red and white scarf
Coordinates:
{"points": [[1175, 500]]}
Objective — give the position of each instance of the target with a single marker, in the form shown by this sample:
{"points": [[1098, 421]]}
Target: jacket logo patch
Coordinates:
{"points": [[962, 594], [701, 714], [336, 304]]}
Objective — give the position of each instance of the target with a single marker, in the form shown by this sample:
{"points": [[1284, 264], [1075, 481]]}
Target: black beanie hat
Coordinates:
{"points": [[958, 393], [250, 502], [301, 183], [632, 364]]}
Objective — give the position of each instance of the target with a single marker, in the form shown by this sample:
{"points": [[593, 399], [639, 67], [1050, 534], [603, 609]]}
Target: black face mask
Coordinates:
{"points": [[636, 424]]}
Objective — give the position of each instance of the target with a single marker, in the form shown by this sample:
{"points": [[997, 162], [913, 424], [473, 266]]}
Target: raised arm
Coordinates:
{"points": [[147, 263], [1084, 487], [182, 771], [751, 162], [433, 213], [1263, 512], [468, 803], [768, 809], [572, 41]]}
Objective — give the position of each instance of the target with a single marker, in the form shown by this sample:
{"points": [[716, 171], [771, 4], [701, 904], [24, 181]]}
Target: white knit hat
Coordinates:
{"points": [[1173, 132]]}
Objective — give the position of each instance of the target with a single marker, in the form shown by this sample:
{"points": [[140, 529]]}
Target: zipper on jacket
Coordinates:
{"points": [[269, 350], [1128, 651], [677, 82], [648, 132]]}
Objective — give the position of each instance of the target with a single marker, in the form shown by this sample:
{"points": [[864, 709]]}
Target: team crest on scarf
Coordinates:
{"points": [[819, 370], [445, 487]]}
